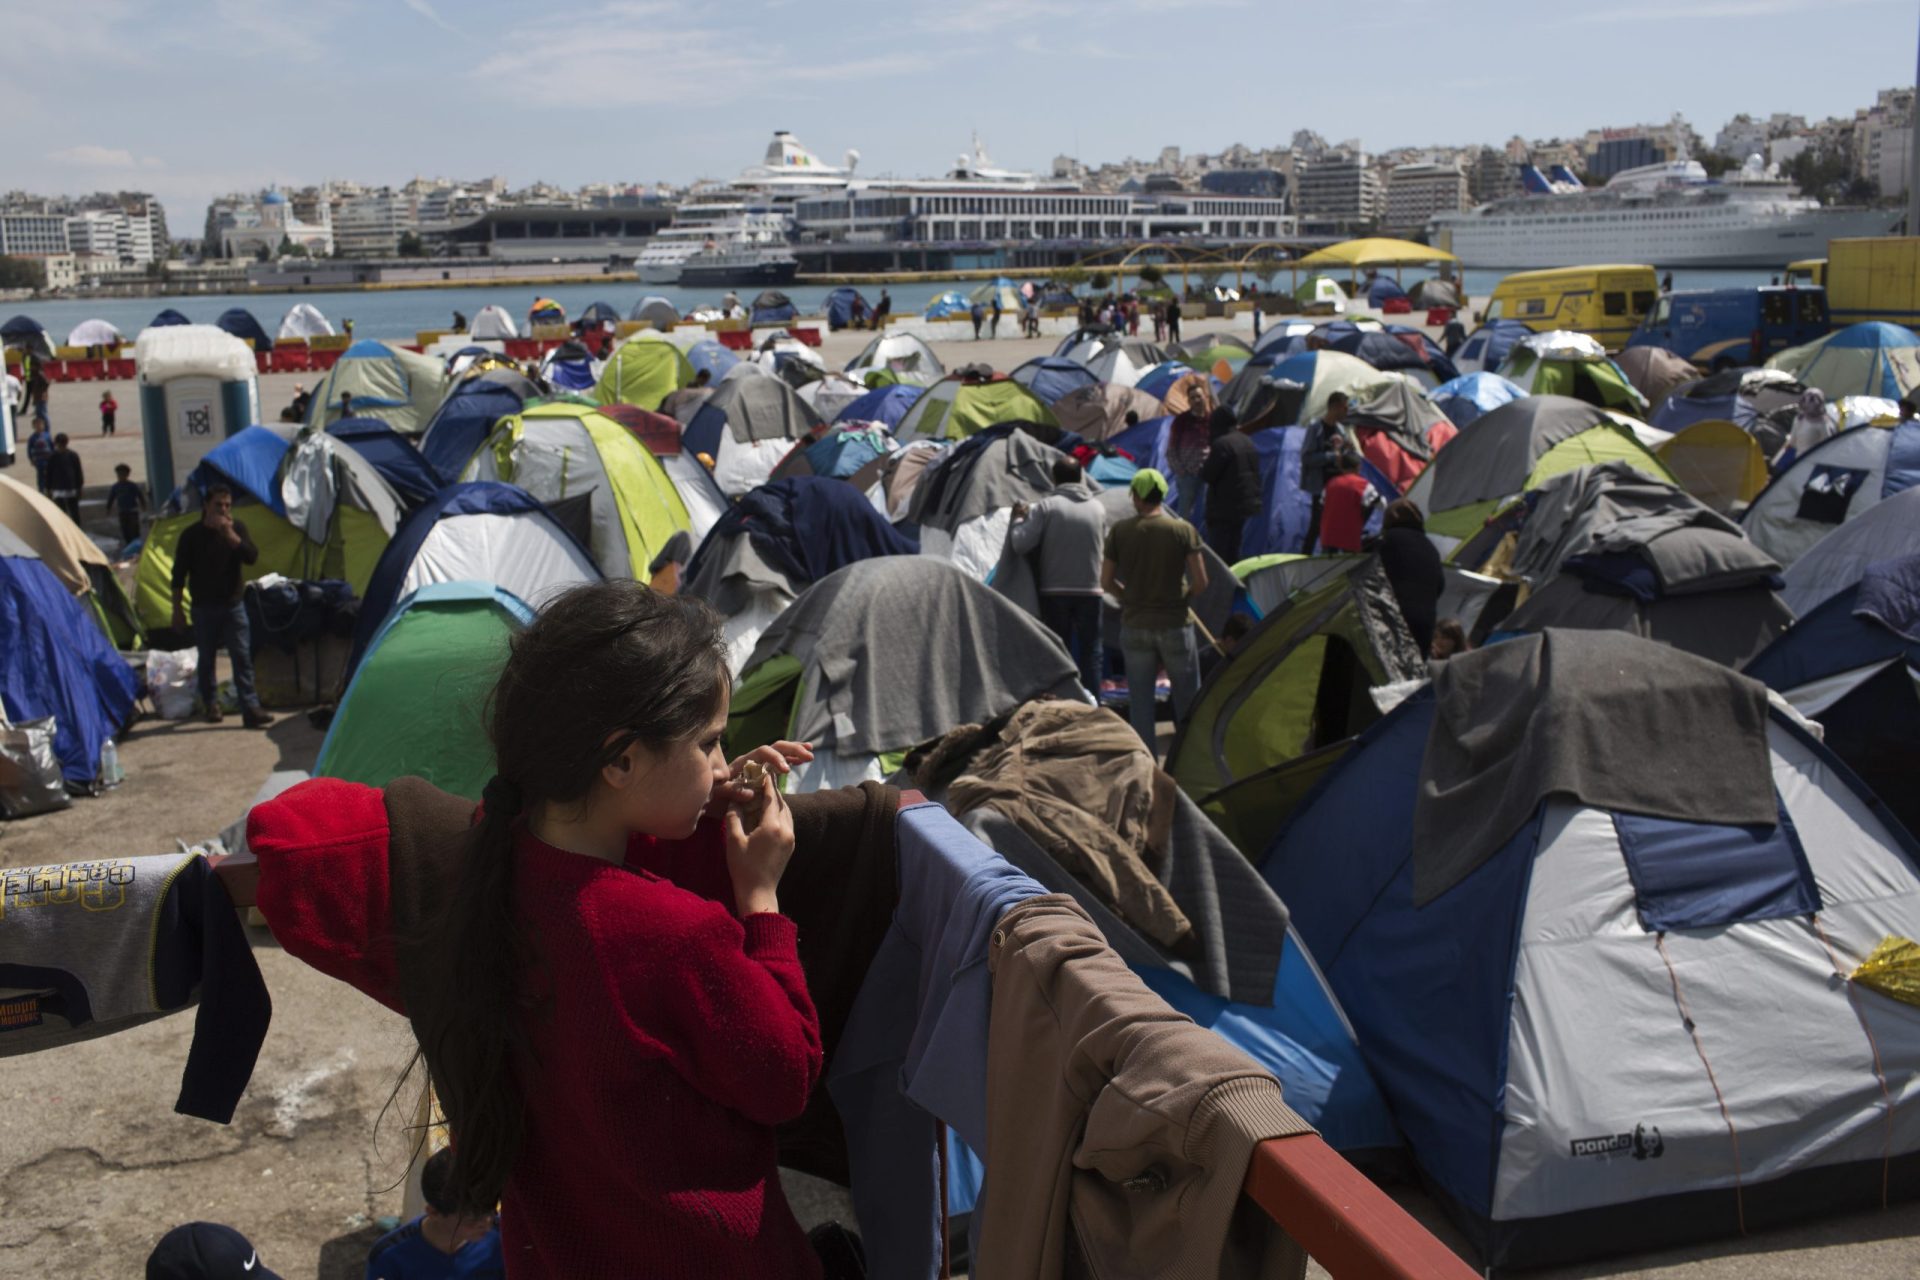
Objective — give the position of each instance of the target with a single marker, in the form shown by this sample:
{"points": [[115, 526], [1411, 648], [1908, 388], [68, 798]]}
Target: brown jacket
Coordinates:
{"points": [[1109, 1111]]}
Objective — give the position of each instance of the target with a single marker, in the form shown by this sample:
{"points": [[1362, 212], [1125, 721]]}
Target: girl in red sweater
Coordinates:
{"points": [[621, 1018]]}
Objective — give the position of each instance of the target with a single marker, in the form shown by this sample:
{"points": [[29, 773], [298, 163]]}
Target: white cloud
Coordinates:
{"points": [[425, 9], [88, 156]]}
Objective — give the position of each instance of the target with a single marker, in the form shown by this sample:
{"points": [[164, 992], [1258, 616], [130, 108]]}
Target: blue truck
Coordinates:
{"points": [[1724, 328]]}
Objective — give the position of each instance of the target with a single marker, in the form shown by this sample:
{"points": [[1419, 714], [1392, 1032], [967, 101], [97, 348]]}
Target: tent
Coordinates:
{"points": [[1398, 430], [1271, 717], [1084, 343], [167, 319], [495, 534], [840, 452], [1436, 291], [55, 662], [491, 323], [746, 427], [1410, 354], [1869, 359], [417, 701], [1761, 402], [1320, 295], [1220, 354], [1374, 251], [773, 307], [1050, 377], [777, 541], [1487, 347], [1574, 1029], [1655, 372], [1889, 530], [241, 323], [711, 356], [950, 303], [832, 393], [1381, 290], [840, 307], [831, 669], [399, 387], [1124, 360], [1830, 484], [691, 480], [656, 311], [999, 288], [1158, 380], [642, 373], [885, 405], [1099, 411], [1315, 376], [1604, 548], [1851, 663], [904, 354], [569, 367], [545, 311], [1717, 463], [335, 494], [27, 334], [467, 416], [1471, 395], [562, 453], [303, 320], [1564, 363], [956, 407], [1269, 582], [94, 333], [71, 556], [964, 500], [404, 468], [1515, 448], [598, 315]]}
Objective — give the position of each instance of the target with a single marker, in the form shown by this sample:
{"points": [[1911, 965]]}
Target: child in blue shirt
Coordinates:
{"points": [[442, 1243]]}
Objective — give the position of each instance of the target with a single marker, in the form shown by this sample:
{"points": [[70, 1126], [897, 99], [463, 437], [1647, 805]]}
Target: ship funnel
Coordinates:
{"points": [[853, 159]]}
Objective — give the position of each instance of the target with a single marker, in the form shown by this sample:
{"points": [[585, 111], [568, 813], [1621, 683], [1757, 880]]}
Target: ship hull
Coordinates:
{"points": [[760, 275], [1705, 239], [659, 272]]}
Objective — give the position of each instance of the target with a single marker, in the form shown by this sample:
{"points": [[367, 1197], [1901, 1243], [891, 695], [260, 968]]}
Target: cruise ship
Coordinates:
{"points": [[1669, 215], [748, 218]]}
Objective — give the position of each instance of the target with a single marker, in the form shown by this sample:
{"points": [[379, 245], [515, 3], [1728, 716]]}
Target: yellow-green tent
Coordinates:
{"points": [[955, 408], [642, 374]]}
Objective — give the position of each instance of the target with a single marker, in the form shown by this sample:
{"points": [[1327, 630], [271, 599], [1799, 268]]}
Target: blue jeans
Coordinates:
{"points": [[1146, 651], [225, 625], [1076, 620]]}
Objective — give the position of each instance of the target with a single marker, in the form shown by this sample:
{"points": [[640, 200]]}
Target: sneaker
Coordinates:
{"points": [[255, 718], [213, 715]]}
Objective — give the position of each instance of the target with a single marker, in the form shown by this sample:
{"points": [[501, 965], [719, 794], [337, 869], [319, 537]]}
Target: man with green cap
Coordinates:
{"points": [[1152, 565]]}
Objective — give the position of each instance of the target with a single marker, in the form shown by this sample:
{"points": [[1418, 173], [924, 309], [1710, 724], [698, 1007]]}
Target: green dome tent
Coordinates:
{"points": [[561, 452], [1562, 363], [955, 408], [642, 373], [399, 387]]}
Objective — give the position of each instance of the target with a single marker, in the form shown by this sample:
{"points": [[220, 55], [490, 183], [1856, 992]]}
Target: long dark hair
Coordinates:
{"points": [[604, 667]]}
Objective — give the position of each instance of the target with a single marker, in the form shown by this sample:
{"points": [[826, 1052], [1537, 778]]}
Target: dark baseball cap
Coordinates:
{"points": [[206, 1251]]}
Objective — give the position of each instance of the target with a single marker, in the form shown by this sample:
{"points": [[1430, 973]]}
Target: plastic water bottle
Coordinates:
{"points": [[111, 774]]}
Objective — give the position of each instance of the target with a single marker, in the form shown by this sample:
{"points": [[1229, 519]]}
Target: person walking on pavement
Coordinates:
{"points": [[1152, 565], [66, 477], [1232, 476], [1173, 319], [109, 410], [1326, 441], [995, 332], [125, 500], [39, 451], [978, 314], [209, 558], [1068, 529]]}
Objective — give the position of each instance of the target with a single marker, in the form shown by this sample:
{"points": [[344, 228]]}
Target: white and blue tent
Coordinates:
{"points": [[1604, 1029], [1465, 398], [1051, 377], [1835, 481]]}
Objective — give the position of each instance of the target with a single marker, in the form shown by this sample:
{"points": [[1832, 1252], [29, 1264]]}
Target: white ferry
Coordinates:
{"points": [[750, 214], [1669, 214]]}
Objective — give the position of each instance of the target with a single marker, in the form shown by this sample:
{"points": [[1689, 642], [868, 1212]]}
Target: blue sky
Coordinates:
{"points": [[189, 97]]}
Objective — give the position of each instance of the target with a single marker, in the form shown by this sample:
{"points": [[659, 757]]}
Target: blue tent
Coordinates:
{"points": [[239, 322], [1383, 291], [467, 416], [1050, 377], [20, 327], [398, 462], [532, 556], [167, 318], [1430, 351], [840, 306], [248, 460], [806, 527], [773, 307], [843, 451], [947, 304], [882, 404], [1519, 1011], [569, 367], [56, 661], [1487, 346], [1465, 398], [1852, 664], [713, 357], [1157, 380], [1873, 358]]}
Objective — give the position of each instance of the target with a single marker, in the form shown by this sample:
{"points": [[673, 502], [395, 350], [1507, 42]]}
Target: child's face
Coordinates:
{"points": [[665, 792]]}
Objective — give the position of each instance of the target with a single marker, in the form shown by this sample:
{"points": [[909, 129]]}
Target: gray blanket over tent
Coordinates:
{"points": [[1595, 715], [898, 650]]}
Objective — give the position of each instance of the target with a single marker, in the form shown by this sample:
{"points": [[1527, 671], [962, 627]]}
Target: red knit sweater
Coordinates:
{"points": [[676, 1037]]}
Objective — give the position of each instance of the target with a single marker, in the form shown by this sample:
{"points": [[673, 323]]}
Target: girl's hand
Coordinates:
{"points": [[778, 760], [756, 859]]}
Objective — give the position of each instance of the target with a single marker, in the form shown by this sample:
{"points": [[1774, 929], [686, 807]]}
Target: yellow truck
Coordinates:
{"points": [[1604, 302], [1873, 278]]}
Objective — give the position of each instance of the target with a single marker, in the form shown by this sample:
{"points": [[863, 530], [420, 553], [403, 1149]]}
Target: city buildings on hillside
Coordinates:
{"points": [[1415, 192]]}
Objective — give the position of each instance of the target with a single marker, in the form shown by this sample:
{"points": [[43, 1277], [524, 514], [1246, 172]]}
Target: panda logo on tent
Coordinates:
{"points": [[1647, 1144], [1829, 490]]}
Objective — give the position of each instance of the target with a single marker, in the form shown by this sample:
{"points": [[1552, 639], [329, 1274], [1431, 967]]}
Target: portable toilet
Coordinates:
{"points": [[198, 385], [7, 443]]}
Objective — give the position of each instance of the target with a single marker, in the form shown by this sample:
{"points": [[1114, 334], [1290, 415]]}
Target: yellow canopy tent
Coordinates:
{"points": [[1373, 251]]}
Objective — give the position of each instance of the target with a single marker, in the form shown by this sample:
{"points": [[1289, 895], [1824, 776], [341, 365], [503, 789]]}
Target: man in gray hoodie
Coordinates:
{"points": [[1067, 528]]}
